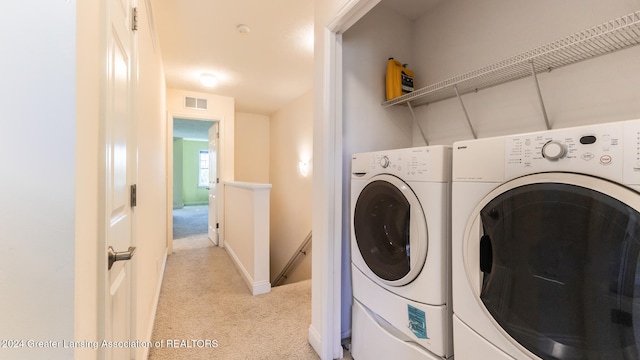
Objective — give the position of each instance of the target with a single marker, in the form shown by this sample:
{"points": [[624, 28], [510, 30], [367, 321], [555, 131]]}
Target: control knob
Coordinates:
{"points": [[554, 150], [384, 162]]}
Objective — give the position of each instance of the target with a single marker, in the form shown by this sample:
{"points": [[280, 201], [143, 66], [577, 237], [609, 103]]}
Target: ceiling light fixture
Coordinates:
{"points": [[243, 28], [208, 80]]}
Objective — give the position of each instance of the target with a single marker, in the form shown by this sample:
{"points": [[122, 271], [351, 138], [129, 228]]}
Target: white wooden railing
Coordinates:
{"points": [[246, 209]]}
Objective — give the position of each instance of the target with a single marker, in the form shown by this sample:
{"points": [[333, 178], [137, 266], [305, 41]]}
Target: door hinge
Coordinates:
{"points": [[217, 225], [134, 19], [134, 200], [217, 180]]}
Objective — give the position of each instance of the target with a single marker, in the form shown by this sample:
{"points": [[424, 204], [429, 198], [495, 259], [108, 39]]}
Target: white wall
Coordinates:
{"points": [[594, 91], [367, 45], [151, 230], [252, 148], [88, 79], [291, 141], [37, 153]]}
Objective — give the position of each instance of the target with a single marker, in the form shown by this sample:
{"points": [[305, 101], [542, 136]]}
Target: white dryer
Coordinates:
{"points": [[546, 244], [400, 254]]}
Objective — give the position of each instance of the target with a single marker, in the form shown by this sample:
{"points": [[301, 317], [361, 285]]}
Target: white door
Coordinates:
{"points": [[119, 177], [213, 183]]}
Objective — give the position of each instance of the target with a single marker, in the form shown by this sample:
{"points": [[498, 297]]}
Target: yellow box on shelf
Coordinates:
{"points": [[399, 79]]}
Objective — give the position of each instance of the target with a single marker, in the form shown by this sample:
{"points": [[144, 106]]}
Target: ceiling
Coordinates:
{"points": [[411, 9], [264, 69]]}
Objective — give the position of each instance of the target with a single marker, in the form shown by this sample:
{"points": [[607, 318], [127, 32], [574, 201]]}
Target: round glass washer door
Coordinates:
{"points": [[554, 261], [390, 230]]}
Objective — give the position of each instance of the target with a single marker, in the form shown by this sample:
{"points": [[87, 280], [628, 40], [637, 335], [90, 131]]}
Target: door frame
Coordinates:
{"points": [[327, 302], [171, 116]]}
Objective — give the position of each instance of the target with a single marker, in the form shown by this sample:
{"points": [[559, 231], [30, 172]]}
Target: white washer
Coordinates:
{"points": [[400, 251], [546, 244]]}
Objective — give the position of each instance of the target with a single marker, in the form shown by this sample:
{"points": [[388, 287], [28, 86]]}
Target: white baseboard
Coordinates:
{"points": [[154, 311], [315, 340], [256, 287], [261, 287]]}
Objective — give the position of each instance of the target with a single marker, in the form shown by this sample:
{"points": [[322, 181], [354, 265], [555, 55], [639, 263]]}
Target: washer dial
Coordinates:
{"points": [[384, 162], [554, 150]]}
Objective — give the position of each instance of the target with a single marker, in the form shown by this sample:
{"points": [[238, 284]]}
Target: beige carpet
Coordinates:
{"points": [[207, 312]]}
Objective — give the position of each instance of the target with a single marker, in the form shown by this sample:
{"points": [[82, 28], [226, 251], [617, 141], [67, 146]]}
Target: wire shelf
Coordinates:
{"points": [[611, 36]]}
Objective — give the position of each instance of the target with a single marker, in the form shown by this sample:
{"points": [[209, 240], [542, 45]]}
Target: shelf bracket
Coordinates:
{"points": [[466, 115], [415, 120], [535, 79]]}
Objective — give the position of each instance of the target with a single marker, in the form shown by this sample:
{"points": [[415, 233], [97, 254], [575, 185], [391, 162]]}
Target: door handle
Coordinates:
{"points": [[120, 255]]}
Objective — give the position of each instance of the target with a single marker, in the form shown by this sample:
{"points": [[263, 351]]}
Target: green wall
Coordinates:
{"points": [[178, 197], [185, 173], [192, 194]]}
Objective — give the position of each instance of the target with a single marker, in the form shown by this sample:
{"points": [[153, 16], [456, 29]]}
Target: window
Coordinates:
{"points": [[203, 168]]}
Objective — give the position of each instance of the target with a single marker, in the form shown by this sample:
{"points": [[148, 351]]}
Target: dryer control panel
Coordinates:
{"points": [[595, 150], [631, 171], [610, 151]]}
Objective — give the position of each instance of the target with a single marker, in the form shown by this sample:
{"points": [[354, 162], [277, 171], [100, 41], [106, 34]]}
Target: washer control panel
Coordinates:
{"points": [[596, 150], [426, 163], [401, 162], [554, 150], [383, 161]]}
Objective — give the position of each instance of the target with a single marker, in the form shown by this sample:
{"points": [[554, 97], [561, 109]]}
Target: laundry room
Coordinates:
{"points": [[455, 37], [461, 54]]}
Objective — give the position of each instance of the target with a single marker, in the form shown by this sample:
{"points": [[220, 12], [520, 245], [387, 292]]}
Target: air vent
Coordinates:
{"points": [[195, 103]]}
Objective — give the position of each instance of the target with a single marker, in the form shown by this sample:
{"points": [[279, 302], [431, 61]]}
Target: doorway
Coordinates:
{"points": [[195, 173]]}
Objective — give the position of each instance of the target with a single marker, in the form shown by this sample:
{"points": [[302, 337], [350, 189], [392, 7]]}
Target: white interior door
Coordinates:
{"points": [[120, 175], [213, 183]]}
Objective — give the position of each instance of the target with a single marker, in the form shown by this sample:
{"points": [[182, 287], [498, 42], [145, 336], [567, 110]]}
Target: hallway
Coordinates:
{"points": [[206, 311]]}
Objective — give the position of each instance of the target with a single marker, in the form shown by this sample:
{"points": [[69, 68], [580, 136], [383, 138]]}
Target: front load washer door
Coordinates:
{"points": [[556, 265], [390, 230]]}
